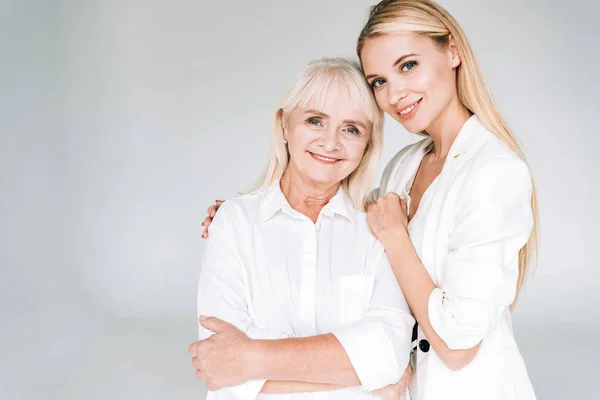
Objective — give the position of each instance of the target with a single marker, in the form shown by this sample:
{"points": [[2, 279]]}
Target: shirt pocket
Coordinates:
{"points": [[355, 296]]}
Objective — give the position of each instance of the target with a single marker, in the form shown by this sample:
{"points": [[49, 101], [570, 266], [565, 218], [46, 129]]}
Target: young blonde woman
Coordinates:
{"points": [[299, 294], [456, 212]]}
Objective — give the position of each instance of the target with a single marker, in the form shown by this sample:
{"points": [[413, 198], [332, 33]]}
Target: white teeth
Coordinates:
{"points": [[324, 158], [407, 109]]}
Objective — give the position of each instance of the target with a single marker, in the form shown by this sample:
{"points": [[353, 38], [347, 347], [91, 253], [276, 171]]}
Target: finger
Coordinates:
{"points": [[212, 210], [408, 371], [203, 350], [393, 196], [207, 221], [219, 202], [200, 376], [192, 349], [205, 233], [214, 324]]}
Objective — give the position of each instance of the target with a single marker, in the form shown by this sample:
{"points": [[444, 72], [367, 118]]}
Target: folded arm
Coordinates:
{"points": [[371, 352]]}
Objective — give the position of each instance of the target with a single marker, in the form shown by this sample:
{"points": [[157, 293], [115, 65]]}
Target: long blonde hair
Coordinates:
{"points": [[424, 17], [329, 81]]}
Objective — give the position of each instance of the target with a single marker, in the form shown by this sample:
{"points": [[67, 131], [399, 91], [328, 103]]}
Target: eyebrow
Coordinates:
{"points": [[321, 114], [351, 121], [398, 61], [346, 121]]}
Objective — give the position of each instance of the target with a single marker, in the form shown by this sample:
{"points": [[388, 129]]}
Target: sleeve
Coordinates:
{"points": [[222, 293], [389, 175], [371, 197], [493, 222], [379, 344]]}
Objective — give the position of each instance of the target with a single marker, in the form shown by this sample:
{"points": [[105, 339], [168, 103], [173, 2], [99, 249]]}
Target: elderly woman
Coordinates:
{"points": [[296, 296]]}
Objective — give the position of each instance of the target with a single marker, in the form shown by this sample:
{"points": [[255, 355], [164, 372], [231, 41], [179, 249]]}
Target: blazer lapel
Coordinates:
{"points": [[464, 142]]}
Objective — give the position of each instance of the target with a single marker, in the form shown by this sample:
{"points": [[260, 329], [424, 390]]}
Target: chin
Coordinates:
{"points": [[323, 178], [414, 126]]}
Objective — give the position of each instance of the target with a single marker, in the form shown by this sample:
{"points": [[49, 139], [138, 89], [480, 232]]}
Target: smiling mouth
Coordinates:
{"points": [[406, 110], [323, 159]]}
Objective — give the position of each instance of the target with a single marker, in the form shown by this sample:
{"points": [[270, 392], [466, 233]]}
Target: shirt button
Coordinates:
{"points": [[424, 346]]}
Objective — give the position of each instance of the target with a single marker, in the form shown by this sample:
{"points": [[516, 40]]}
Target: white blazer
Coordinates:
{"points": [[479, 217]]}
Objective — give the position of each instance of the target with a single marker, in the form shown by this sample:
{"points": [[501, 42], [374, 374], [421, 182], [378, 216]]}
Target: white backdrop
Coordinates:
{"points": [[121, 121]]}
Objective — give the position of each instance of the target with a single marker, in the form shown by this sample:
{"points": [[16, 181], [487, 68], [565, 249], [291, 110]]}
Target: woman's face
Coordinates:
{"points": [[326, 145], [412, 77]]}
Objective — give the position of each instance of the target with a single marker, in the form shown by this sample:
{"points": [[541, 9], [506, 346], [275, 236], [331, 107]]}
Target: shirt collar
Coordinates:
{"points": [[469, 132], [466, 137], [274, 200]]}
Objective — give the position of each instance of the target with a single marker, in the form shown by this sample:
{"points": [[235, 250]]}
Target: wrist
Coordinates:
{"points": [[393, 237], [255, 359]]}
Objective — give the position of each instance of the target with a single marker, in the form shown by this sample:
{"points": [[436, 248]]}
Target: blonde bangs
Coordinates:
{"points": [[332, 87]]}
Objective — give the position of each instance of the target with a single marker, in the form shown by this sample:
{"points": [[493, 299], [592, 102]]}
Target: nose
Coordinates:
{"points": [[396, 91], [329, 139]]}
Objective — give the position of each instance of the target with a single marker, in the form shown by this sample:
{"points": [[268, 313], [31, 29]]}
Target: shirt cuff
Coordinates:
{"points": [[372, 355], [246, 391], [457, 335]]}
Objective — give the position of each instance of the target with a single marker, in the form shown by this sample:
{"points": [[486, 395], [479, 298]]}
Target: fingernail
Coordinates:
{"points": [[202, 318]]}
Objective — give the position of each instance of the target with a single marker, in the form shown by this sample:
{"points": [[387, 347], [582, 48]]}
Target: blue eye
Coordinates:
{"points": [[352, 130], [313, 121], [377, 83], [408, 66]]}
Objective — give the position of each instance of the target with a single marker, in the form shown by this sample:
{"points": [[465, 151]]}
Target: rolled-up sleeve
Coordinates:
{"points": [[379, 344], [493, 221], [222, 294]]}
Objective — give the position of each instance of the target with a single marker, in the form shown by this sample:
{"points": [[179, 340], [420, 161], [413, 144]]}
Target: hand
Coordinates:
{"points": [[387, 215], [212, 211], [222, 359], [395, 390]]}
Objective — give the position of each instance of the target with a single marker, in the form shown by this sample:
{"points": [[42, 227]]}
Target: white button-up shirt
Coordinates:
{"points": [[273, 273]]}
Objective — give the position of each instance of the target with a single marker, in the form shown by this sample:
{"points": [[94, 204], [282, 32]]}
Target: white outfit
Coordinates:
{"points": [[273, 273], [467, 231]]}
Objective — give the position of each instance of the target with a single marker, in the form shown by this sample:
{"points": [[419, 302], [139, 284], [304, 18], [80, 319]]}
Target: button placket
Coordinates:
{"points": [[308, 281]]}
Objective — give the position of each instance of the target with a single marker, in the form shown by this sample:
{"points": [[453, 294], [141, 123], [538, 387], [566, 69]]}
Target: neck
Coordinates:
{"points": [[305, 196], [446, 127]]}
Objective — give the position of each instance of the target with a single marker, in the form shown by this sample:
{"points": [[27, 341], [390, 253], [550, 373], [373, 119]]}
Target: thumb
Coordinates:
{"points": [[214, 324]]}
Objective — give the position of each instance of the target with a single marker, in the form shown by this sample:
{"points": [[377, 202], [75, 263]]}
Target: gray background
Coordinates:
{"points": [[121, 121]]}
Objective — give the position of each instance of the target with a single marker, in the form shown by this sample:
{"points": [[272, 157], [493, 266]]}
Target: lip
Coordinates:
{"points": [[412, 112], [317, 158]]}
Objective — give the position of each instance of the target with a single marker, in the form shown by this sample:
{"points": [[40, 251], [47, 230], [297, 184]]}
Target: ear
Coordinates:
{"points": [[284, 123], [453, 52], [280, 118]]}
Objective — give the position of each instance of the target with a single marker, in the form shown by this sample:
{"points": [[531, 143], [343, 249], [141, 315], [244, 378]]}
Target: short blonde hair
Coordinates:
{"points": [[329, 81]]}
